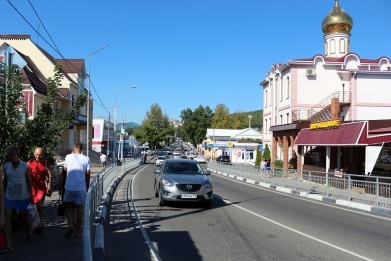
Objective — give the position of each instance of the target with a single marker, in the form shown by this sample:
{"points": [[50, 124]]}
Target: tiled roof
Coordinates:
{"points": [[63, 92], [29, 77], [14, 36], [71, 65]]}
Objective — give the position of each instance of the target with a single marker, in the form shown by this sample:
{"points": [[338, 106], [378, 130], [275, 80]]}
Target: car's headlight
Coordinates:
{"points": [[167, 183], [207, 184]]}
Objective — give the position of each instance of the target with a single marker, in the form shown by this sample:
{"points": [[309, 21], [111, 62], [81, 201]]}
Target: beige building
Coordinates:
{"points": [[240, 145], [37, 65]]}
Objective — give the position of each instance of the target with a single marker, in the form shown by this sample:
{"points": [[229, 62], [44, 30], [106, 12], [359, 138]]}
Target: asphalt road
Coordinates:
{"points": [[245, 222]]}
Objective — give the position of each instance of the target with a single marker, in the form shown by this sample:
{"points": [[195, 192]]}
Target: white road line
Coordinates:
{"points": [[297, 231], [152, 249], [260, 186]]}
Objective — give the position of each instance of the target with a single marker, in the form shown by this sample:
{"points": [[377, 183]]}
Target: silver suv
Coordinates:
{"points": [[184, 181]]}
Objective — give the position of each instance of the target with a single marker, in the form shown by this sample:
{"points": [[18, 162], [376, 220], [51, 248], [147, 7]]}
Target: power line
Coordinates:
{"points": [[39, 18], [56, 49]]}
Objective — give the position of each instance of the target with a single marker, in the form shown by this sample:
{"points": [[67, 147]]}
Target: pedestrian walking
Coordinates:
{"points": [[77, 183], [268, 168], [41, 178], [262, 166], [18, 194], [103, 160]]}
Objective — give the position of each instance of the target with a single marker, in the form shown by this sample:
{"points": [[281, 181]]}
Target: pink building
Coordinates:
{"points": [[332, 110]]}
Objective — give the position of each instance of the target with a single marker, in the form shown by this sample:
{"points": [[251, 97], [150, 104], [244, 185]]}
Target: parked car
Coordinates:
{"points": [[223, 159], [160, 160], [184, 181], [200, 159]]}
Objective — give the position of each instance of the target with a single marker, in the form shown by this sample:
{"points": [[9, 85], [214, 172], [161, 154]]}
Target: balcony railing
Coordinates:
{"points": [[304, 114]]}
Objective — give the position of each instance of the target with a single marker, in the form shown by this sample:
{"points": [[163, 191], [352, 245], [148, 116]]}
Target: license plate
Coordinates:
{"points": [[188, 196]]}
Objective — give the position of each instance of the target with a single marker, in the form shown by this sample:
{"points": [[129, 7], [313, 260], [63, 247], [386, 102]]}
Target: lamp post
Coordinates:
{"points": [[115, 118], [88, 99], [124, 126], [249, 120]]}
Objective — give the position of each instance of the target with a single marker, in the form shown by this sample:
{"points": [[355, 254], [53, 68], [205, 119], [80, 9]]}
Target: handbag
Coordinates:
{"points": [[60, 208], [34, 218]]}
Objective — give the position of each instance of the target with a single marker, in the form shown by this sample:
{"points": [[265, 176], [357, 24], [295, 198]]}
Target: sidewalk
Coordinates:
{"points": [[51, 245]]}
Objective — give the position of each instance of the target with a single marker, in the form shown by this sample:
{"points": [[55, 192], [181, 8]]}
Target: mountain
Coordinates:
{"points": [[128, 125]]}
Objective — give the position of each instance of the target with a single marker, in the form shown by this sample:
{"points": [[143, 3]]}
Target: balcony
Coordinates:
{"points": [[322, 110]]}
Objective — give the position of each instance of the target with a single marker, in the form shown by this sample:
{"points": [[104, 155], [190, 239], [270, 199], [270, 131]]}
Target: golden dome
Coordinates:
{"points": [[337, 21]]}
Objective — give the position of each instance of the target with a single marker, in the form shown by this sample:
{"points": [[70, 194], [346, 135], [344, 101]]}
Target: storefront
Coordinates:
{"points": [[357, 147]]}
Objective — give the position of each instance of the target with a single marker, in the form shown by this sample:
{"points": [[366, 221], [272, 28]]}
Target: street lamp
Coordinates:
{"points": [[88, 98], [249, 120], [124, 127], [115, 117]]}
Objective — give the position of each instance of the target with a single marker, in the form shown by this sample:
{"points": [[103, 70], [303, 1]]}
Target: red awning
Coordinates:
{"points": [[346, 134], [353, 133]]}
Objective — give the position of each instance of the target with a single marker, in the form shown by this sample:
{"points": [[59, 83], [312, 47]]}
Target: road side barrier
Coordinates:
{"points": [[99, 196]]}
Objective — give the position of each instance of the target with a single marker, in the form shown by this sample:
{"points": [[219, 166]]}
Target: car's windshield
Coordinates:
{"points": [[161, 158], [182, 168]]}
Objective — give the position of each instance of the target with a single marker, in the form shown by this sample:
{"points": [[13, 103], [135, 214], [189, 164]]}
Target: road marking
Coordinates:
{"points": [[296, 231], [152, 249], [260, 186]]}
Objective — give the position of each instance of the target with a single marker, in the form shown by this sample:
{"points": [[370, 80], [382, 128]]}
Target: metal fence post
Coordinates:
{"points": [[349, 188], [377, 191]]}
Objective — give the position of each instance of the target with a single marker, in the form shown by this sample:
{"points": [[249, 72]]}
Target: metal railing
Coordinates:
{"points": [[371, 190], [99, 187], [307, 114]]}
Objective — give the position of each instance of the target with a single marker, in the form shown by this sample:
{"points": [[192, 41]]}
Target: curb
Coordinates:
{"points": [[341, 202]]}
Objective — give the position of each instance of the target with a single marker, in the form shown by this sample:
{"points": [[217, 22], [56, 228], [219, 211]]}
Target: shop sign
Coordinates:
{"points": [[325, 125]]}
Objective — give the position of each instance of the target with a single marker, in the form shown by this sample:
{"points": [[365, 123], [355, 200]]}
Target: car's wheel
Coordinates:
{"points": [[207, 204], [161, 201]]}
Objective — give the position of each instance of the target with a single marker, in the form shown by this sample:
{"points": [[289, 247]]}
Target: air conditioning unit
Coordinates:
{"points": [[311, 72]]}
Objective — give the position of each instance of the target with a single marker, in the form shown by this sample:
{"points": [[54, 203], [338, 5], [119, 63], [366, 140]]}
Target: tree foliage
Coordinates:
{"points": [[155, 128], [195, 123], [266, 152], [45, 128], [11, 132], [221, 118]]}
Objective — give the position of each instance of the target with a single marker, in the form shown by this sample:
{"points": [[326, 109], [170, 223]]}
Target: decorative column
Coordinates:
{"points": [[285, 152], [274, 149], [299, 161]]}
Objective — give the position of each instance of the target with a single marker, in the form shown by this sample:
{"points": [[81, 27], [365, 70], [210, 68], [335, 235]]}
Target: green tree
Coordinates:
{"points": [[221, 118], [266, 152], [49, 123], [239, 121], [46, 127], [195, 123], [11, 132], [155, 128]]}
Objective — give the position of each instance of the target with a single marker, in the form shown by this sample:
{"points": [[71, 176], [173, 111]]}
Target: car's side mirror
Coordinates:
{"points": [[157, 171], [208, 172]]}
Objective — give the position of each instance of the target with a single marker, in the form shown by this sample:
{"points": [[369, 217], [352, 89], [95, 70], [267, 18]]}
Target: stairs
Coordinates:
{"points": [[322, 110]]}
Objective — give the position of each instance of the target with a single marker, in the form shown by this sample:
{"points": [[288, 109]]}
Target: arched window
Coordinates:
{"points": [[332, 46], [342, 46]]}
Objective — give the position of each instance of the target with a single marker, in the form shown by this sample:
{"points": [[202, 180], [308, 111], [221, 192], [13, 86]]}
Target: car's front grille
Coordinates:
{"points": [[188, 187]]}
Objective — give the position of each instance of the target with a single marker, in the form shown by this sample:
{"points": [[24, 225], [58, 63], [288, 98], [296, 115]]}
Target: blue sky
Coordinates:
{"points": [[184, 53]]}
